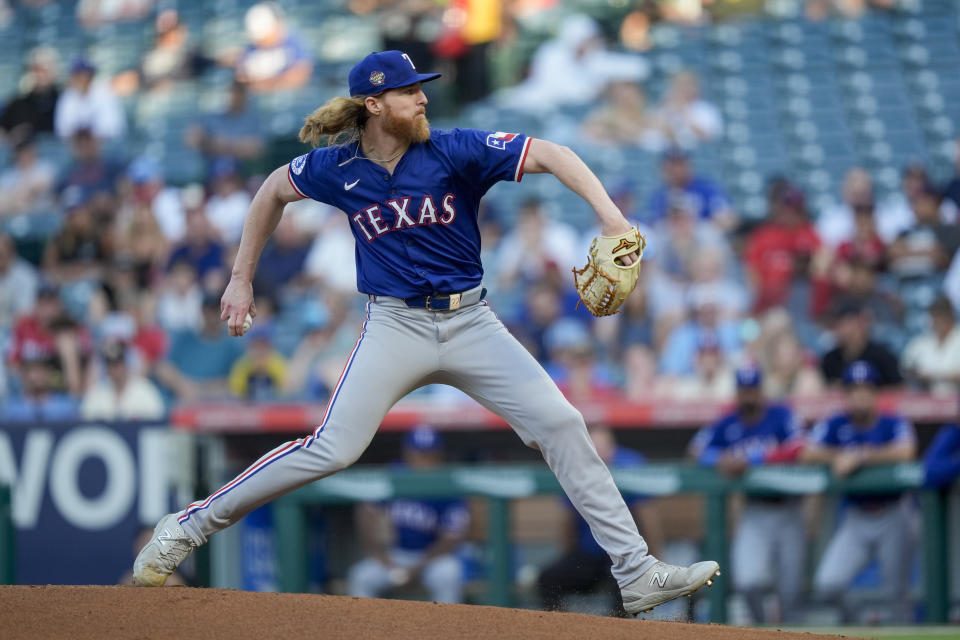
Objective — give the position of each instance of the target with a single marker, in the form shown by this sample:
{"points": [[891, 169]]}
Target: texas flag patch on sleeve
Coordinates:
{"points": [[499, 139]]}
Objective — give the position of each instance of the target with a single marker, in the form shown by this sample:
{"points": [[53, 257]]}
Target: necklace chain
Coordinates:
{"points": [[367, 156]]}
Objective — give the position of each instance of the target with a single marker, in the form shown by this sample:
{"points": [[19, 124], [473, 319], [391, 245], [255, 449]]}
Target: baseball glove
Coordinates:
{"points": [[605, 282]]}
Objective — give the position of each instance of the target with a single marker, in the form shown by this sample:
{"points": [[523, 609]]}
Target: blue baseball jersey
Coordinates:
{"points": [[622, 458], [754, 442], [839, 431], [419, 523], [416, 230]]}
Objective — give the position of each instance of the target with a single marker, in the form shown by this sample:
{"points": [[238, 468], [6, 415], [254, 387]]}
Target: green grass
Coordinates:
{"points": [[890, 633]]}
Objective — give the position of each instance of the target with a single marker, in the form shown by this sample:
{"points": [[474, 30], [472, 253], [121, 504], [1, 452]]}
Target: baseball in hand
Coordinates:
{"points": [[247, 323]]}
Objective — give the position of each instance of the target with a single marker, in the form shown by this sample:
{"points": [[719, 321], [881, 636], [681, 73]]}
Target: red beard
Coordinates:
{"points": [[416, 129]]}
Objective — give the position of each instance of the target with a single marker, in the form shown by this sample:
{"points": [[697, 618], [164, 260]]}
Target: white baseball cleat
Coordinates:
{"points": [[160, 557], [664, 582]]}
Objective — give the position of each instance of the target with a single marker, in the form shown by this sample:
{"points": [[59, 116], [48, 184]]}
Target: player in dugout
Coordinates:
{"points": [[769, 542], [879, 524]]}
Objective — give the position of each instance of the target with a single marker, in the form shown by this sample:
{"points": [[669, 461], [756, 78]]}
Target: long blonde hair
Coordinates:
{"points": [[339, 121]]}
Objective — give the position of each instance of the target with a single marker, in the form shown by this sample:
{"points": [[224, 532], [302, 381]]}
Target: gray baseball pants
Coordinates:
{"points": [[401, 349]]}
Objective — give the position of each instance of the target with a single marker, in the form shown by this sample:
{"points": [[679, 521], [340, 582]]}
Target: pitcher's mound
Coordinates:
{"points": [[101, 613]]}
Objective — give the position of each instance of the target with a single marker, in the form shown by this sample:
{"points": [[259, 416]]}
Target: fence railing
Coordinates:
{"points": [[7, 538], [500, 484]]}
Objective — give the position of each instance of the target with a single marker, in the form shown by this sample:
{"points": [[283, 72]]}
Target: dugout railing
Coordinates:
{"points": [[501, 484], [7, 538]]}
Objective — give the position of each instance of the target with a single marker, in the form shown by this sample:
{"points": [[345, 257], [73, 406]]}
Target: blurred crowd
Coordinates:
{"points": [[110, 277]]}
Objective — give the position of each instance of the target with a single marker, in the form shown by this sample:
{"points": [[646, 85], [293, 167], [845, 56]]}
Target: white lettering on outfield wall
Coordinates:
{"points": [[61, 462], [119, 491], [29, 479]]}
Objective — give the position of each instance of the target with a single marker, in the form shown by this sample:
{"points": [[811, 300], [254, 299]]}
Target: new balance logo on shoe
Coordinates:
{"points": [[660, 579], [164, 537]]}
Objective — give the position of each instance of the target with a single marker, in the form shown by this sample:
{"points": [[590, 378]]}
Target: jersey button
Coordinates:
{"points": [[386, 177]]}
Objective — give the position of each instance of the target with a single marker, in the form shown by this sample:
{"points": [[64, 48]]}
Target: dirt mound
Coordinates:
{"points": [[99, 613]]}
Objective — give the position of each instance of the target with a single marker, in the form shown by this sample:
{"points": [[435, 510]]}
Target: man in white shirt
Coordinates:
{"points": [[122, 395], [86, 104], [932, 359]]}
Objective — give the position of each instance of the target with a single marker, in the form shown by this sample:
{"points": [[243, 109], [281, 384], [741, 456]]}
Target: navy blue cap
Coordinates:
{"points": [[423, 438], [860, 372], [749, 377], [384, 70], [81, 64]]}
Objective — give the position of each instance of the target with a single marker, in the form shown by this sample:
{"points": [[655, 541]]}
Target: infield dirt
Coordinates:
{"points": [[99, 613]]}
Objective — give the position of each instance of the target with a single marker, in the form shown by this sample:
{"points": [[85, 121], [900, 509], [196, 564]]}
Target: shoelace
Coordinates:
{"points": [[172, 555]]}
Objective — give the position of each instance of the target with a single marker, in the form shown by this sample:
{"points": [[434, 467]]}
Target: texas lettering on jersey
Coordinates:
{"points": [[371, 220], [416, 229]]}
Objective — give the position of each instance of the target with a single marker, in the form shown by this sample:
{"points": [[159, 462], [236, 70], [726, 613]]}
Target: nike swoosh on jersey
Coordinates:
{"points": [[347, 187]]}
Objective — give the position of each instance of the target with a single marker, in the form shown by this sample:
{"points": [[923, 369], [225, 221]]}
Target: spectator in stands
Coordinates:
{"points": [[941, 463], [790, 370], [200, 361], [150, 342], [49, 334], [835, 224], [623, 118], [879, 525], [709, 277], [86, 104], [712, 378], [927, 247], [139, 243], [31, 112], [122, 395], [260, 374], [179, 304], [897, 210], [305, 376], [38, 401], [578, 56], [641, 381], [931, 360], [281, 265], [952, 190], [769, 542], [80, 251], [331, 261], [471, 28], [583, 566], [536, 246], [678, 357], [851, 332], [95, 13], [881, 301], [413, 541], [27, 186], [690, 120], [676, 245], [202, 249], [88, 168], [570, 362], [170, 60], [779, 252], [18, 285], [276, 58], [832, 271], [235, 133], [700, 194], [228, 202]]}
